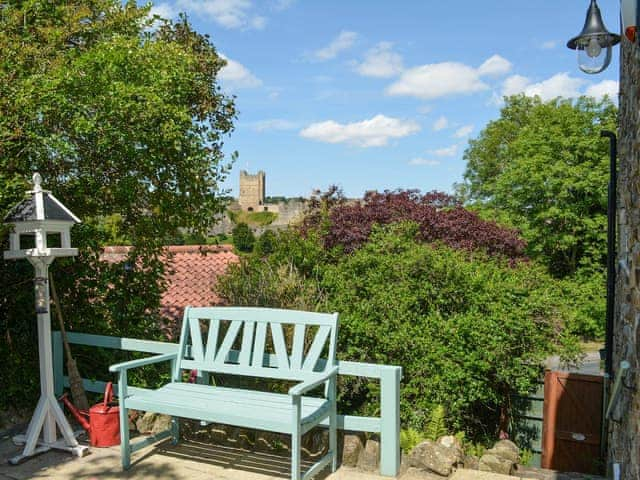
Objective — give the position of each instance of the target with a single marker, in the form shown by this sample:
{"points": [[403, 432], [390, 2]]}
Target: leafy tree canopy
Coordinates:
{"points": [[123, 117], [543, 167]]}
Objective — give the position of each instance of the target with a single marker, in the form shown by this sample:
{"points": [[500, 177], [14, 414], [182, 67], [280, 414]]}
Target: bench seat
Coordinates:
{"points": [[234, 406]]}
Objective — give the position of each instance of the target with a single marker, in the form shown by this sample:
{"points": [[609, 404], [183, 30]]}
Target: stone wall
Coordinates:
{"points": [[624, 434]]}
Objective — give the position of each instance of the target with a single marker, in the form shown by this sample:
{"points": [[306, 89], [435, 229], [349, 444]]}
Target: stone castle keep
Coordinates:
{"points": [[252, 191]]}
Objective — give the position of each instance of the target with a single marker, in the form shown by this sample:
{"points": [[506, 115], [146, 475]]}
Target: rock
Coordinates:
{"points": [[161, 423], [133, 416], [370, 456], [144, 424], [471, 462], [490, 462], [435, 457], [449, 441], [352, 446], [507, 450]]}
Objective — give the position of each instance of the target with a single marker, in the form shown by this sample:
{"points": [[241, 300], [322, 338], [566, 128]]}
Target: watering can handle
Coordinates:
{"points": [[108, 394]]}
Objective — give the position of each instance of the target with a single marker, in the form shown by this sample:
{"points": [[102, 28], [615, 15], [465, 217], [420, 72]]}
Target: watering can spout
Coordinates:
{"points": [[80, 415]]}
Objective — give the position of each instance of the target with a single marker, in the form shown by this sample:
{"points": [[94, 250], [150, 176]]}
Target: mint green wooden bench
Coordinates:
{"points": [[249, 331]]}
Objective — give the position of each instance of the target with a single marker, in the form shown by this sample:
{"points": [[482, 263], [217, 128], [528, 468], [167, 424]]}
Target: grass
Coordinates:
{"points": [[253, 219]]}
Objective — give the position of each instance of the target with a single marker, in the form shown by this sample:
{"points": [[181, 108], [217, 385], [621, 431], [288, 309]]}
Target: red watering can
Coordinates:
{"points": [[103, 422]]}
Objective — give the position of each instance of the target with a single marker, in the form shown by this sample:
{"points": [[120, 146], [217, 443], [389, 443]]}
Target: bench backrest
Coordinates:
{"points": [[252, 341]]}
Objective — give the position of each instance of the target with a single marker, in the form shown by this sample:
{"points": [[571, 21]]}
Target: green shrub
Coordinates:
{"points": [[467, 329], [266, 243], [243, 238]]}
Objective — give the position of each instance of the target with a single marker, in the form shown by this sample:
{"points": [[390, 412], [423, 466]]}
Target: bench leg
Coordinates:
{"points": [[295, 455], [296, 438], [175, 430], [333, 437], [125, 449]]}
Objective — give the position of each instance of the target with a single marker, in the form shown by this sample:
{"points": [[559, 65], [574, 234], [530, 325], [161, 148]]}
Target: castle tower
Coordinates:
{"points": [[252, 190]]}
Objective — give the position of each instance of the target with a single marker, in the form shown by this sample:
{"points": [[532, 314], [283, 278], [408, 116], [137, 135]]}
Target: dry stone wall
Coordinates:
{"points": [[624, 431]]}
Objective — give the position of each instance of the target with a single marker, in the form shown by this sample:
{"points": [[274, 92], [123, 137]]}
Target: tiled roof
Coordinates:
{"points": [[192, 272]]}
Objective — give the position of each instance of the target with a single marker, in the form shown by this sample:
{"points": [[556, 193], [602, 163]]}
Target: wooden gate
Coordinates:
{"points": [[572, 422]]}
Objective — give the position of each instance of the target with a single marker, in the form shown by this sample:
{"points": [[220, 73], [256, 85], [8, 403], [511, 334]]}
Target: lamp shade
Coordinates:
{"points": [[594, 43]]}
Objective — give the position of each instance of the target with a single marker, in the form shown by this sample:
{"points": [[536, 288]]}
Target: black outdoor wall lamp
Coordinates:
{"points": [[595, 42]]}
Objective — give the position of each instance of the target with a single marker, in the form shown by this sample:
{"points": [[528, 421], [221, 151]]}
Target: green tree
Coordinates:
{"points": [[266, 243], [243, 238], [120, 119], [542, 167]]}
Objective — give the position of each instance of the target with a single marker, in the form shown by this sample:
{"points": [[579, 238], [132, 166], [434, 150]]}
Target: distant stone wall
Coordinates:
{"points": [[624, 432]]}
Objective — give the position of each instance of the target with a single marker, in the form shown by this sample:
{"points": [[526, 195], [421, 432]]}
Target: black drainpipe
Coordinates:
{"points": [[611, 249]]}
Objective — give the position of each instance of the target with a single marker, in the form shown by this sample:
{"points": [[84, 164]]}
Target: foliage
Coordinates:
{"points": [[243, 238], [409, 438], [468, 328], [585, 292], [436, 426], [126, 125], [266, 243], [543, 167], [440, 218]]}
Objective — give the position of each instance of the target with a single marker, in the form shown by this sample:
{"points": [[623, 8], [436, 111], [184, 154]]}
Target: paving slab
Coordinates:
{"points": [[188, 460], [465, 474]]}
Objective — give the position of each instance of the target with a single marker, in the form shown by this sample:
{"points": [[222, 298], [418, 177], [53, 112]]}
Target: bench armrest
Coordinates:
{"points": [[119, 367], [303, 387]]}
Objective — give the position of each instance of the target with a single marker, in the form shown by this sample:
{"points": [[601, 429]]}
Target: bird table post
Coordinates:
{"points": [[38, 221]]}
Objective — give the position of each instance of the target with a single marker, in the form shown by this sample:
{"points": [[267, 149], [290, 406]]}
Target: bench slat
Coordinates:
{"points": [[196, 340], [258, 347], [316, 348], [247, 342], [227, 343], [212, 342], [243, 408], [280, 346], [298, 346]]}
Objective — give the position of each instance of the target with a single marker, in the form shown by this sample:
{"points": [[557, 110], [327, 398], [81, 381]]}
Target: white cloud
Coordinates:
{"points": [[438, 80], [560, 85], [235, 75], [440, 124], [373, 132], [274, 124], [463, 132], [343, 41], [548, 45], [381, 61], [606, 87], [424, 162], [515, 84], [495, 66], [446, 151], [226, 13]]}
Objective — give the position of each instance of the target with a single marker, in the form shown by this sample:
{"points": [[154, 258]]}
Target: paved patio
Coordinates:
{"points": [[188, 460]]}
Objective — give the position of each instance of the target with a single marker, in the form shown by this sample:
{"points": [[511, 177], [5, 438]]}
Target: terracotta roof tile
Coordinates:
{"points": [[191, 274]]}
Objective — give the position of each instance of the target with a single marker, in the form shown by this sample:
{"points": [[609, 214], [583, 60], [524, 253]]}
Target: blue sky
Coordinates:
{"points": [[383, 94]]}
